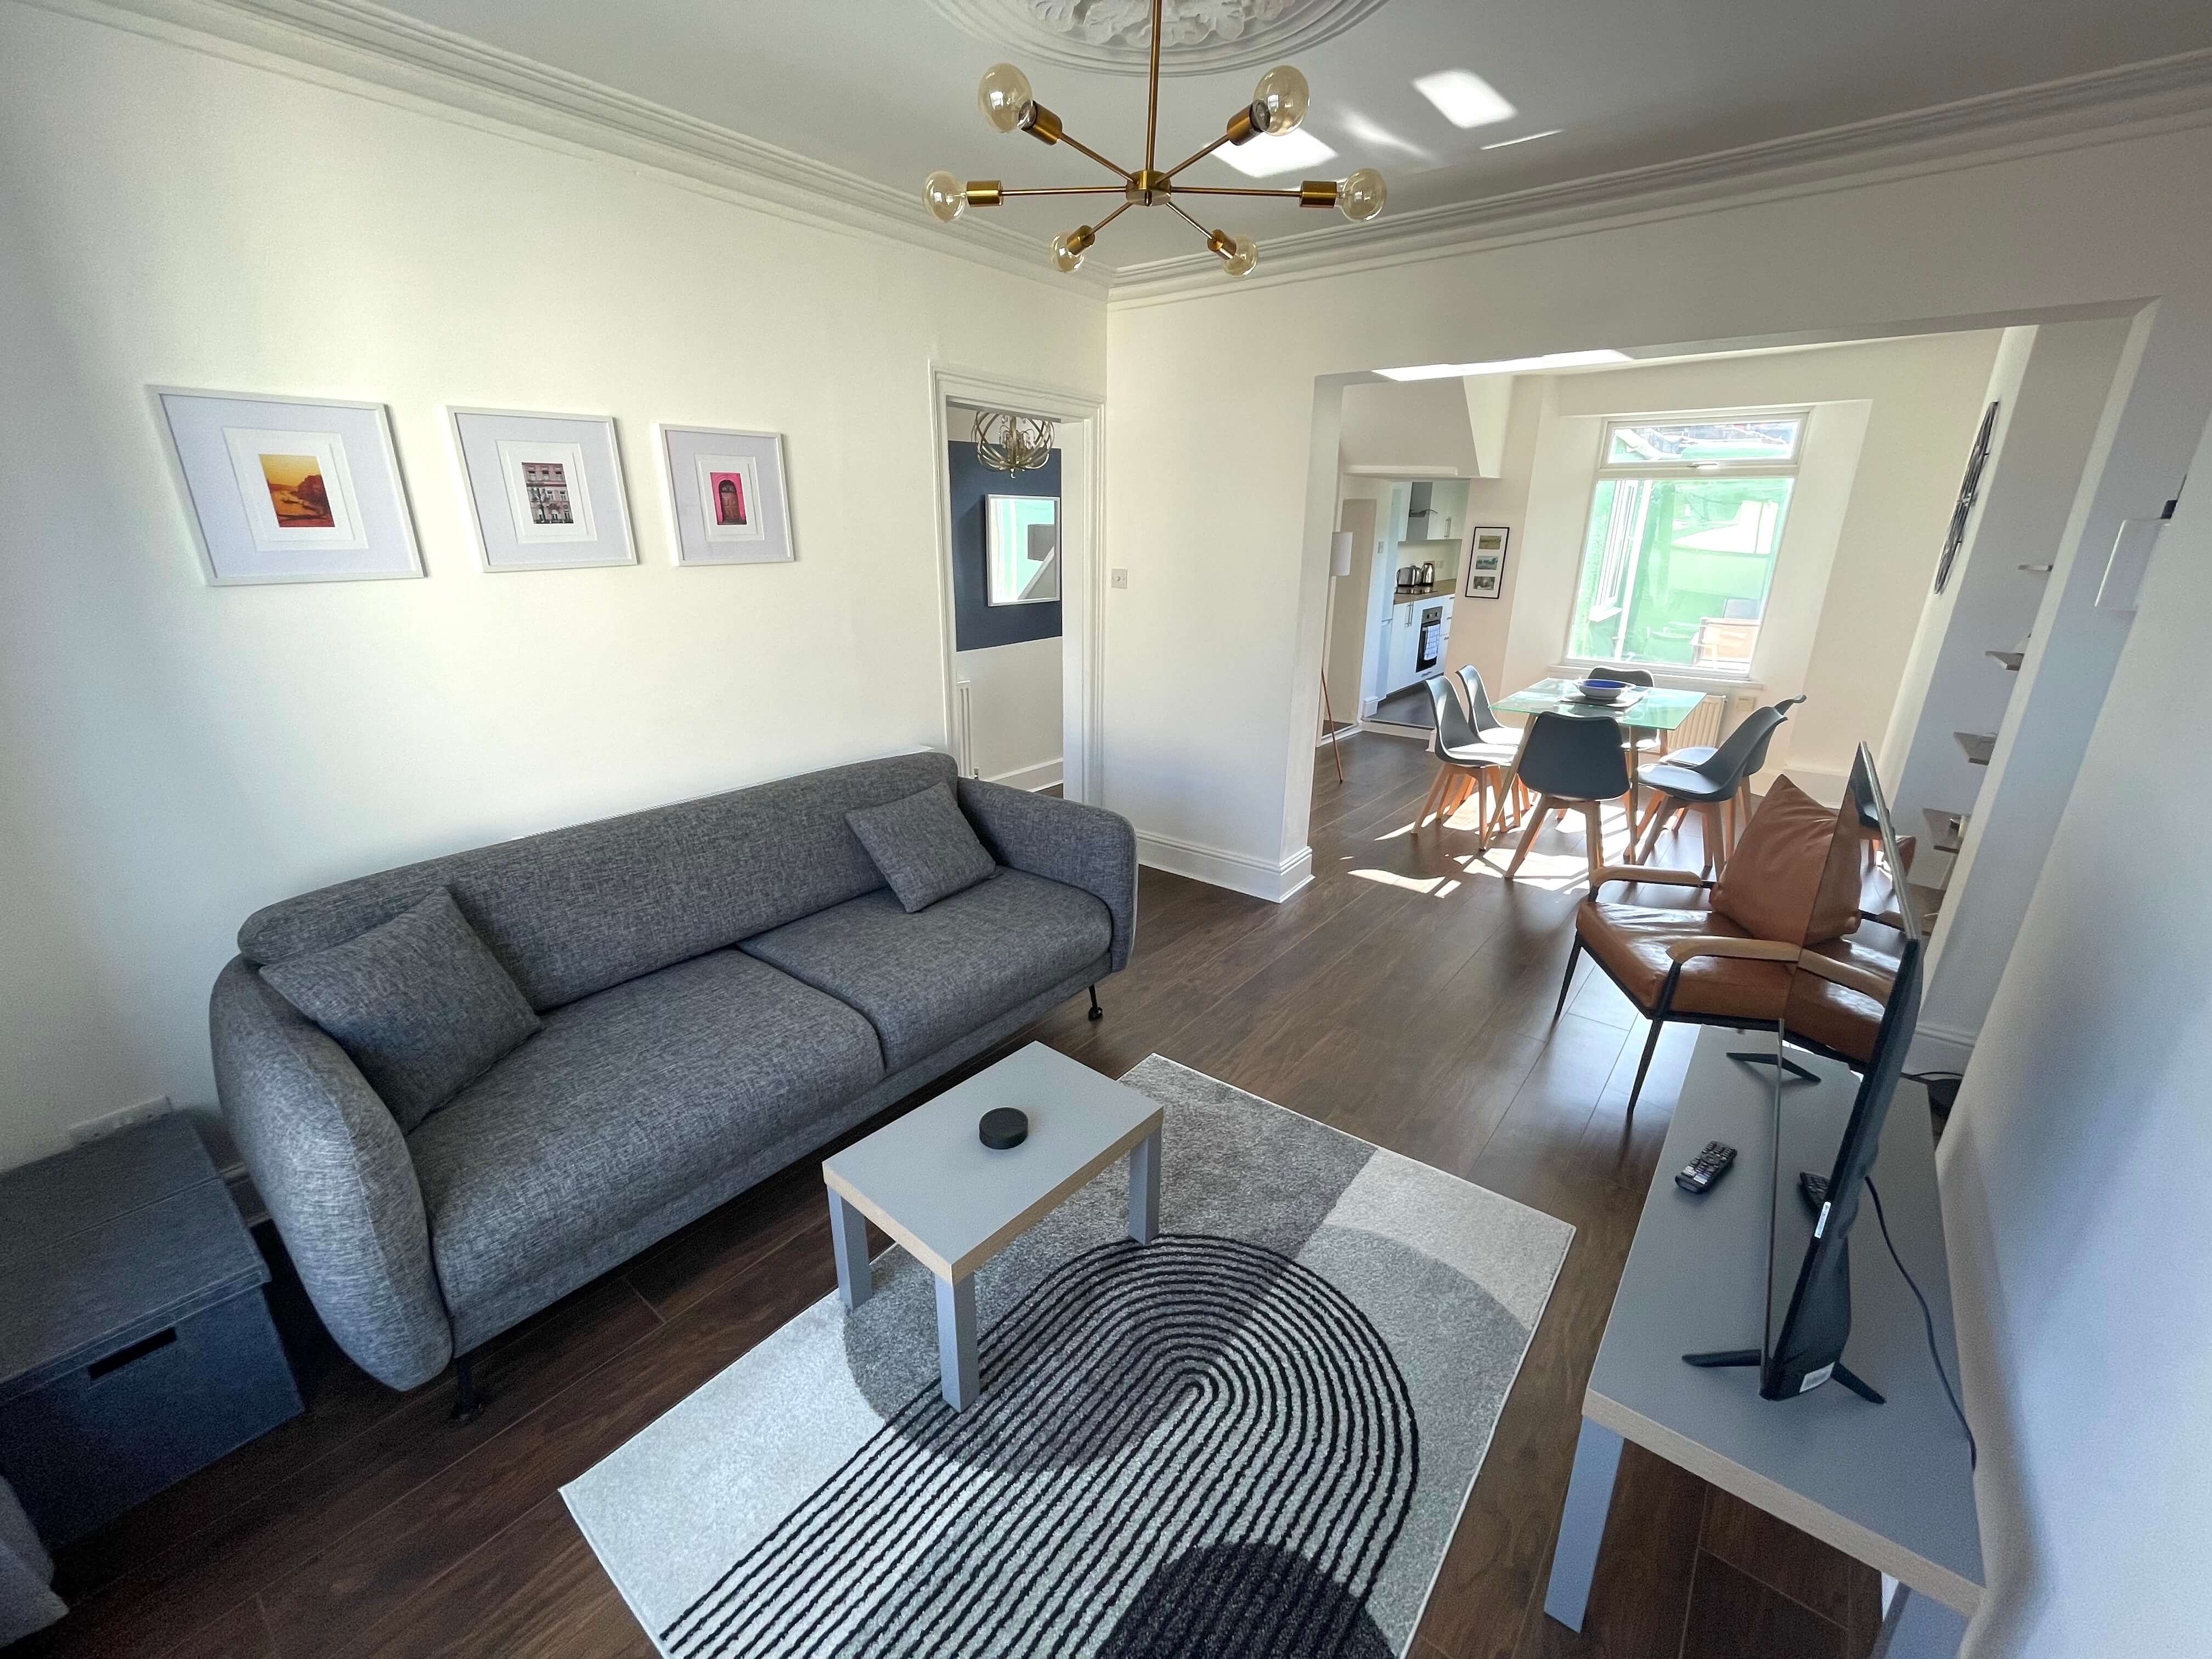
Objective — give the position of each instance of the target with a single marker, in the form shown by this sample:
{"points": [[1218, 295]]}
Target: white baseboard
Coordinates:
{"points": [[1349, 729], [1239, 872], [1043, 775], [1940, 1048]]}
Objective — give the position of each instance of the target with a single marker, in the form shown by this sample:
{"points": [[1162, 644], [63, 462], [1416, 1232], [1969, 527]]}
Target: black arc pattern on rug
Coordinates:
{"points": [[1249, 1520]]}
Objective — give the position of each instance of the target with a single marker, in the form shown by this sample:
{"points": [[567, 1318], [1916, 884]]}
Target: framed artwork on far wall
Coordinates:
{"points": [[726, 489], [289, 489], [1486, 561], [546, 490]]}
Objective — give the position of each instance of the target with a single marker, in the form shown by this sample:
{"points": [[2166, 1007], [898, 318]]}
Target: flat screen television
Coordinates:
{"points": [[1808, 1267]]}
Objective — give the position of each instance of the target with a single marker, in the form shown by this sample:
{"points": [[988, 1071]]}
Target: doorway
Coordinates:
{"points": [[1016, 574]]}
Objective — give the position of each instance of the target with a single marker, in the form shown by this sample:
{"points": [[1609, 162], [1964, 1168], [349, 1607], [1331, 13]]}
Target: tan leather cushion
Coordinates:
{"points": [[1794, 876]]}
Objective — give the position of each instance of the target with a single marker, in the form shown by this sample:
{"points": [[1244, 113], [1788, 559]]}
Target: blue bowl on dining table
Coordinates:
{"points": [[1596, 689]]}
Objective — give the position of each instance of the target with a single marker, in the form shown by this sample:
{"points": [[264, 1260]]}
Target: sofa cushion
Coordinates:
{"points": [[418, 1003], [574, 911], [924, 979], [924, 845], [623, 1102]]}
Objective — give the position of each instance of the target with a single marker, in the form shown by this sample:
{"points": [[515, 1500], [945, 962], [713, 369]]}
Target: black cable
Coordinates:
{"points": [[1931, 1077], [1973, 1452]]}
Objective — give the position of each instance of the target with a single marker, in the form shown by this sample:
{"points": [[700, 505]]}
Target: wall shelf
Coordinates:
{"points": [[1946, 830], [2011, 660], [2036, 570], [1978, 745]]}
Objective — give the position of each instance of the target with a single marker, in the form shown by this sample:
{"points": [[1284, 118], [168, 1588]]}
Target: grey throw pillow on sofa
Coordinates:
{"points": [[419, 1003], [924, 846]]}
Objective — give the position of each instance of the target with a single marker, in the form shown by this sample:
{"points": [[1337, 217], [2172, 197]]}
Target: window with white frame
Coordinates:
{"points": [[1686, 520]]}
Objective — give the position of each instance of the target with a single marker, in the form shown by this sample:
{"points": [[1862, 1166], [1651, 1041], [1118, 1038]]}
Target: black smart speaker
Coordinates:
{"points": [[1003, 1127]]}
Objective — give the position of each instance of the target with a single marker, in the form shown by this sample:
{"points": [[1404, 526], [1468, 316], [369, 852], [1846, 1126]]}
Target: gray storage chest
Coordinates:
{"points": [[135, 1345]]}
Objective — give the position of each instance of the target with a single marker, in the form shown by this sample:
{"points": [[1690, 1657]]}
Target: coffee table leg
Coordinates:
{"points": [[848, 1240], [1145, 1189], [955, 1341]]}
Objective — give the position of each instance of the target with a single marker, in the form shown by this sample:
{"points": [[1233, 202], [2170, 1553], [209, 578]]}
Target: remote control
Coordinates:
{"points": [[1698, 1175]]}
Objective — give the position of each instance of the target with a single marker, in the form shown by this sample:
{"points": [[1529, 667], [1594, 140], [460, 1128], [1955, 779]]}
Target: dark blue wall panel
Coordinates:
{"points": [[978, 624]]}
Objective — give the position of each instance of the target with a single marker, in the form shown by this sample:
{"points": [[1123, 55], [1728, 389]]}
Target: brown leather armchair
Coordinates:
{"points": [[1678, 957]]}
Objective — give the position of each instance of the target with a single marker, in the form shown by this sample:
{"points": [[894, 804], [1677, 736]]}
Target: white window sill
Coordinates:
{"points": [[1671, 679]]}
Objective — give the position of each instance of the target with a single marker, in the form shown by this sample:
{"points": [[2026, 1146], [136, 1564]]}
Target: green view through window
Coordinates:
{"points": [[1685, 521]]}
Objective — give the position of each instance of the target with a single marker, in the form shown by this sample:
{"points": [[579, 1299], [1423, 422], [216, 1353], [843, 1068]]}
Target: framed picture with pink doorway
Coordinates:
{"points": [[287, 489], [726, 489]]}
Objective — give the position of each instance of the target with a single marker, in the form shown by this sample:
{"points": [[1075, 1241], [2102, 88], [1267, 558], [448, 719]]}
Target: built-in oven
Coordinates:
{"points": [[1430, 650]]}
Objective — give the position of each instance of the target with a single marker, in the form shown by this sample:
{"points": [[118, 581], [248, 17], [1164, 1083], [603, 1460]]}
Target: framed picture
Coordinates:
{"points": [[546, 490], [282, 489], [1486, 561], [727, 491]]}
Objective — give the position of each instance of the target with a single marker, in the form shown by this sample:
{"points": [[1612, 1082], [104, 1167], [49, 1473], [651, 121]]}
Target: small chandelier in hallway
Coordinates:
{"points": [[1279, 104]]}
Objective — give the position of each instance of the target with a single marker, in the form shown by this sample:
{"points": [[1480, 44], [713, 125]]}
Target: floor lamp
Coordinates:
{"points": [[1339, 564]]}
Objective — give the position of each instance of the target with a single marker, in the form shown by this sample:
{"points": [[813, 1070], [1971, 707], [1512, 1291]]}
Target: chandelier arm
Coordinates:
{"points": [[1075, 143], [1222, 190], [1190, 161], [1192, 222], [1074, 189], [1152, 94], [1111, 217]]}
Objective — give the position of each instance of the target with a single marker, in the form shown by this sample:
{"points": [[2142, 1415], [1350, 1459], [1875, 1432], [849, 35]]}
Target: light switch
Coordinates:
{"points": [[1120, 578]]}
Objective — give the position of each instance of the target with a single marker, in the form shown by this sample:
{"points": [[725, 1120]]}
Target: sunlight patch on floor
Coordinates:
{"points": [[1433, 886]]}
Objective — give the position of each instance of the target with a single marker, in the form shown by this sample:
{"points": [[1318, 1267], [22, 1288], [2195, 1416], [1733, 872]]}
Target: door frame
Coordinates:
{"points": [[1080, 416]]}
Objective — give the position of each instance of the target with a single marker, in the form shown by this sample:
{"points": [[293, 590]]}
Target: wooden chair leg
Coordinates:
{"points": [[1454, 797], [1594, 838], [1435, 795], [1743, 810], [1668, 807], [1545, 804], [1716, 851]]}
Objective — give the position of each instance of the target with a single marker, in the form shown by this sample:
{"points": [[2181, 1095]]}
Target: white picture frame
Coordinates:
{"points": [[727, 496], [280, 488], [544, 491]]}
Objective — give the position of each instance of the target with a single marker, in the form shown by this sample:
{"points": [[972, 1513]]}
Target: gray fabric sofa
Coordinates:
{"points": [[724, 985]]}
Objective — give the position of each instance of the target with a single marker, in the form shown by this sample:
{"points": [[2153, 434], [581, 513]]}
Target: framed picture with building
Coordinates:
{"points": [[546, 490], [1486, 561]]}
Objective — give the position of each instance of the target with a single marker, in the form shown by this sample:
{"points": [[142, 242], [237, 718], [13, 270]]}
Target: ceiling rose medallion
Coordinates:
{"points": [[1279, 104], [1208, 37]]}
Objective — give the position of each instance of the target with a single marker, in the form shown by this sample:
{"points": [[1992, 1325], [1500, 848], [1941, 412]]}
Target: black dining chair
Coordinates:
{"points": [[1572, 760], [1481, 718], [1640, 740], [1737, 813], [1717, 780], [1464, 763]]}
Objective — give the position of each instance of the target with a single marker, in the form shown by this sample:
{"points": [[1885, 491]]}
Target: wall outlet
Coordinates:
{"points": [[1120, 578], [114, 1123]]}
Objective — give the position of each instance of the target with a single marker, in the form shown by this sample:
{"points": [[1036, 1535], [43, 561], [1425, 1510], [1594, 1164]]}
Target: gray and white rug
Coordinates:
{"points": [[1253, 1436]]}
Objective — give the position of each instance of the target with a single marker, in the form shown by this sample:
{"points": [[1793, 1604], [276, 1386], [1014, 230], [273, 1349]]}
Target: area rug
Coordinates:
{"points": [[1253, 1436]]}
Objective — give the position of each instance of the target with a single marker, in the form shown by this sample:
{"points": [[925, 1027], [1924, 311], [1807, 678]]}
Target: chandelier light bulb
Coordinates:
{"points": [[1243, 254], [1068, 249], [1004, 96], [945, 197], [1362, 195], [1283, 93]]}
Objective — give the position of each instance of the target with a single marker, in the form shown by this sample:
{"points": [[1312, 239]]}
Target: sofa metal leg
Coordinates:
{"points": [[1097, 1013], [468, 1404]]}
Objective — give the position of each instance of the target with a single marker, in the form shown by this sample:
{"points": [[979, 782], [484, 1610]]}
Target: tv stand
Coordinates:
{"points": [[1728, 1358], [1891, 1487]]}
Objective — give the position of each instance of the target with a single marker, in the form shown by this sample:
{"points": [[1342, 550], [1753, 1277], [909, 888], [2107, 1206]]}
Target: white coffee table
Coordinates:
{"points": [[931, 1184]]}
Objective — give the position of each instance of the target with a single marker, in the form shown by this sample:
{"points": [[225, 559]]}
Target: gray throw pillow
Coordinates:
{"points": [[924, 846], [419, 1003]]}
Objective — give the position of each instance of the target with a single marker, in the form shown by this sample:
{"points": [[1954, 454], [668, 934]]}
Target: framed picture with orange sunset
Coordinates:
{"points": [[287, 489]]}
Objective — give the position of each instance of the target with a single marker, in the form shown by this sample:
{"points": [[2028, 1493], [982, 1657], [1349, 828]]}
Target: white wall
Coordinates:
{"points": [[1412, 428], [1891, 426], [2073, 1177], [1480, 627], [1237, 502], [1016, 733], [174, 754]]}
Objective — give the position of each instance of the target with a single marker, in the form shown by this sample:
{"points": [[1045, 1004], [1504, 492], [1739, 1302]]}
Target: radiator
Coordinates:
{"points": [[1702, 724], [964, 710]]}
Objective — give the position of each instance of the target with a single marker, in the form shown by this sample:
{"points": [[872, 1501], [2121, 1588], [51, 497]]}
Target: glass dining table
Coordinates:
{"points": [[1656, 709]]}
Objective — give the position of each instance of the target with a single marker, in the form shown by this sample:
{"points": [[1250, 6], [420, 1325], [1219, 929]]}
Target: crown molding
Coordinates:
{"points": [[2130, 102], [354, 46]]}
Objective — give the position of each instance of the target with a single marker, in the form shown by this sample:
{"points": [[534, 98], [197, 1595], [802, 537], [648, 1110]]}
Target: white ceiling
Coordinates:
{"points": [[885, 88]]}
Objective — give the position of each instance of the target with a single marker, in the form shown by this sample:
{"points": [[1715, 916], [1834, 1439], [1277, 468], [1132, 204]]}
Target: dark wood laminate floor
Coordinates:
{"points": [[1405, 996]]}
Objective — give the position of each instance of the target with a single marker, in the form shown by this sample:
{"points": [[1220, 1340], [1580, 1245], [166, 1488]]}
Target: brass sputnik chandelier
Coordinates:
{"points": [[1279, 104], [1010, 443]]}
